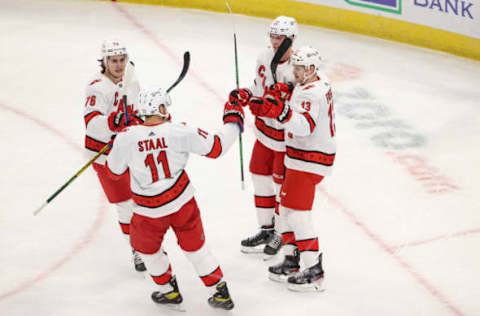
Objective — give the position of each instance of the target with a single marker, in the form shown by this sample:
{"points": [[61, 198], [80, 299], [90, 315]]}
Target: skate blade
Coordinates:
{"points": [[267, 257], [252, 250], [172, 307], [278, 278], [309, 287]]}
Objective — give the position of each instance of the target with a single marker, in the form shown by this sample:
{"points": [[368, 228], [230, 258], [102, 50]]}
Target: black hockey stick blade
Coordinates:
{"points": [[287, 42], [186, 64]]}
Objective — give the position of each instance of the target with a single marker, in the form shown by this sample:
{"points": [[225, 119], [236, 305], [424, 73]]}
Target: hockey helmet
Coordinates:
{"points": [[150, 99], [284, 25]]}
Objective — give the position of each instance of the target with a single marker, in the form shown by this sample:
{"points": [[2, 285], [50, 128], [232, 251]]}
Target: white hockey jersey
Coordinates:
{"points": [[267, 130], [102, 98], [156, 157], [310, 132]]}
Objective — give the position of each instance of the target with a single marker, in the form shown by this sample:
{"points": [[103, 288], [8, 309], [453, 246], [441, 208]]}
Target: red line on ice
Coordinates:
{"points": [[436, 238], [79, 246]]}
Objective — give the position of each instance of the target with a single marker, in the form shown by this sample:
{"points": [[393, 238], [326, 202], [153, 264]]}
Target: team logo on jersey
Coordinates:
{"points": [[151, 134], [393, 6]]}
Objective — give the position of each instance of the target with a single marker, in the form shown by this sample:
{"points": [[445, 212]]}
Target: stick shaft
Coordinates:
{"points": [[66, 184]]}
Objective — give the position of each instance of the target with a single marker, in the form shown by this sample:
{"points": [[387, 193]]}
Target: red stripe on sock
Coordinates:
{"points": [[212, 278], [164, 278]]}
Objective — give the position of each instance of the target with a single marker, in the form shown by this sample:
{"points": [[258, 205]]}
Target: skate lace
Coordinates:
{"points": [[137, 259], [276, 241]]}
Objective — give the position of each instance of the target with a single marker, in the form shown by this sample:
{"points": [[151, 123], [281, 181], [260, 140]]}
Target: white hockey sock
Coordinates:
{"points": [[264, 199], [305, 236], [125, 213], [286, 231], [206, 265], [159, 268], [277, 187]]}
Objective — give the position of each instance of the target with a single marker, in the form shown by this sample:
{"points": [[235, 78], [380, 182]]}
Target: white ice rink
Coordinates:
{"points": [[398, 221]]}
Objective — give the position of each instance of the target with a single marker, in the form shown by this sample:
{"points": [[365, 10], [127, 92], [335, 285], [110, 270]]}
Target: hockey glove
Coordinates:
{"points": [[258, 106], [241, 96], [283, 89], [278, 109], [233, 113], [117, 120]]}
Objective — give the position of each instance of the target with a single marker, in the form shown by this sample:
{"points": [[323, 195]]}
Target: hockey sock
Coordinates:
{"points": [[206, 265], [305, 235], [159, 268], [264, 199]]}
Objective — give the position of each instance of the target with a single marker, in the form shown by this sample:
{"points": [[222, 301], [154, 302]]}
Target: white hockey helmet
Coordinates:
{"points": [[307, 56], [284, 25], [150, 99], [113, 47]]}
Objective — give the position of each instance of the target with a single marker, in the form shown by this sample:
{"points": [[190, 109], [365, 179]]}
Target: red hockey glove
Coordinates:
{"points": [[258, 106], [241, 96], [117, 120], [233, 113], [277, 108], [283, 89]]}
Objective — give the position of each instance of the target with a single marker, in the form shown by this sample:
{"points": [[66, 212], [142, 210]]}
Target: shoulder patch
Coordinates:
{"points": [[94, 82]]}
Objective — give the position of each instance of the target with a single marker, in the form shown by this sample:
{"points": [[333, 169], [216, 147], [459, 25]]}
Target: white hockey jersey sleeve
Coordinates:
{"points": [[117, 161], [305, 108], [200, 142], [96, 117]]}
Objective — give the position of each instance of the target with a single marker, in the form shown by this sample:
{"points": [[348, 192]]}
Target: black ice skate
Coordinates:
{"points": [[253, 244], [273, 246], [221, 299], [283, 270], [172, 299], [138, 262], [308, 280]]}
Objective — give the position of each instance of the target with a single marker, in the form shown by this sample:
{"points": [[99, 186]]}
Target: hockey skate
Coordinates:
{"points": [[221, 299], [281, 271], [253, 244], [308, 280], [273, 246], [172, 300], [138, 262]]}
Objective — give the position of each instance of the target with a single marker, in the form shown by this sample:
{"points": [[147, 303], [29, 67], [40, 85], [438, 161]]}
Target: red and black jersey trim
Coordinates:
{"points": [[265, 201], [270, 132], [167, 196], [317, 157], [307, 244], [212, 278], [310, 121], [216, 148], [90, 116], [95, 145], [112, 174]]}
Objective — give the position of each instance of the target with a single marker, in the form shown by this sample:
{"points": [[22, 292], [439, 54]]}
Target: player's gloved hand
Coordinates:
{"points": [[258, 106], [117, 120], [276, 108], [233, 113], [241, 96], [283, 89]]}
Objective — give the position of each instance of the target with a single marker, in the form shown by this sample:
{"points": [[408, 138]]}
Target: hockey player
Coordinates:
{"points": [[156, 154], [266, 163], [103, 118], [306, 113]]}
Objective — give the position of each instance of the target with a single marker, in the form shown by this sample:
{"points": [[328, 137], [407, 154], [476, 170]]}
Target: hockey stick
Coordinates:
{"points": [[242, 179], [186, 64], [282, 49], [128, 77]]}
